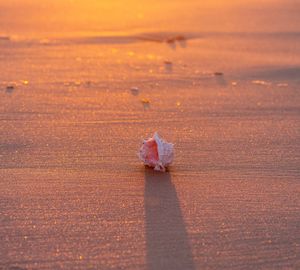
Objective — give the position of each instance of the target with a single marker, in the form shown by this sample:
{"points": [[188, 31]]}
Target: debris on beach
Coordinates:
{"points": [[171, 41], [168, 66], [263, 83], [88, 83], [234, 83], [146, 103], [180, 38], [182, 41], [176, 38], [135, 91], [156, 153], [218, 74], [220, 79], [10, 88]]}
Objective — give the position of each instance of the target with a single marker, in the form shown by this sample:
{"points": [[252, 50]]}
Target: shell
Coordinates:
{"points": [[157, 153]]}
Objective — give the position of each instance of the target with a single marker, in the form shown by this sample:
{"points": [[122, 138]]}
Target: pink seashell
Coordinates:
{"points": [[156, 153]]}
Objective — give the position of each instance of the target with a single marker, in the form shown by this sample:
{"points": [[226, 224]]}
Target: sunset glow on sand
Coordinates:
{"points": [[83, 83]]}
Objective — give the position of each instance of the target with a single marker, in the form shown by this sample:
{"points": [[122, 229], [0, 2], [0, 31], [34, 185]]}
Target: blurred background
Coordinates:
{"points": [[58, 17]]}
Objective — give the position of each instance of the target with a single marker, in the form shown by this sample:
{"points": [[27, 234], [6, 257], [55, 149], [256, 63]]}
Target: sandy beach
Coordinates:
{"points": [[78, 94]]}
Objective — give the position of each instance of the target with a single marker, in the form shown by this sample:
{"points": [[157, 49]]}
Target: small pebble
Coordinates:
{"points": [[10, 88], [168, 66], [180, 38], [218, 74], [88, 83], [170, 40], [135, 91]]}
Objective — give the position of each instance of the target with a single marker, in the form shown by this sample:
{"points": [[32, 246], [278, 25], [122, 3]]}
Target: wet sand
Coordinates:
{"points": [[73, 194]]}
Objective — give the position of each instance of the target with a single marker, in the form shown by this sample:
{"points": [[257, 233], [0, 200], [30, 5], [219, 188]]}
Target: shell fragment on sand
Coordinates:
{"points": [[135, 91], [260, 82], [157, 153]]}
